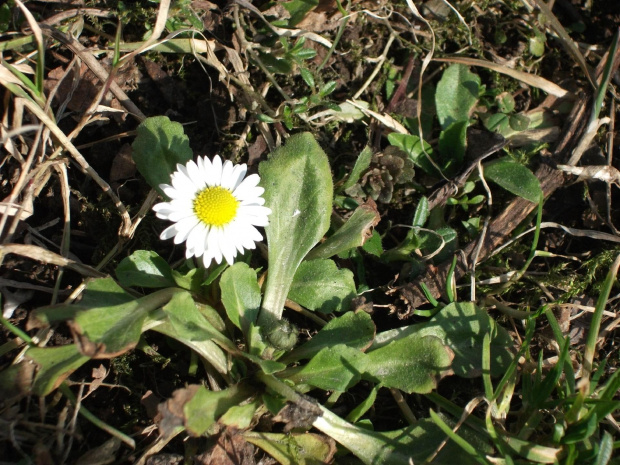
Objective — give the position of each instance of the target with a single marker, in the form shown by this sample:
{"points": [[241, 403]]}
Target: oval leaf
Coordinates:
{"points": [[320, 285], [354, 233], [354, 329], [411, 364], [299, 191], [241, 295], [515, 178], [144, 268], [334, 368], [456, 95], [159, 146]]}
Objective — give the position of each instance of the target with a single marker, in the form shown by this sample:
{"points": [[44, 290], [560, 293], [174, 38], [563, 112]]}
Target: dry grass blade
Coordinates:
{"points": [[384, 119], [96, 67], [45, 256], [68, 145], [158, 29], [605, 173], [529, 79]]}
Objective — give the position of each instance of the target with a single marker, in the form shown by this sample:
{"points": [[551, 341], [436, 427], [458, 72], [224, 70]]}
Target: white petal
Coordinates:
{"points": [[213, 245], [217, 172], [228, 247], [236, 234], [238, 174], [254, 210], [254, 234], [248, 184], [170, 191], [196, 239], [183, 185], [207, 259], [169, 232], [160, 207], [252, 194], [184, 228], [207, 171], [227, 171], [181, 212], [195, 175]]}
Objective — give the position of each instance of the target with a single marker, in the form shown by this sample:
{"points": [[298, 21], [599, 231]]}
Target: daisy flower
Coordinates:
{"points": [[215, 209]]}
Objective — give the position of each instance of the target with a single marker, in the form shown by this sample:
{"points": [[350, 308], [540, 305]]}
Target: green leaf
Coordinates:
{"points": [[361, 164], [5, 18], [307, 76], [104, 323], [515, 178], [294, 448], [359, 411], [50, 366], [144, 268], [241, 295], [185, 323], [327, 89], [373, 245], [498, 122], [320, 285], [265, 118], [505, 102], [305, 54], [240, 416], [189, 323], [299, 191], [298, 10], [354, 329], [54, 365], [353, 233], [414, 147], [456, 95], [461, 327], [537, 46], [519, 122], [276, 64], [411, 364], [399, 447], [158, 147], [202, 408], [452, 145], [334, 368], [421, 213]]}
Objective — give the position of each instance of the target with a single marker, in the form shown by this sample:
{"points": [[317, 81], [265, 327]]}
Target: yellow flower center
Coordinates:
{"points": [[215, 206]]}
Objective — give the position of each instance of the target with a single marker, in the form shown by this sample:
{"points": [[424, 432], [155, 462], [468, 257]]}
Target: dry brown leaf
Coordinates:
{"points": [[171, 414], [102, 455], [123, 166], [230, 449]]}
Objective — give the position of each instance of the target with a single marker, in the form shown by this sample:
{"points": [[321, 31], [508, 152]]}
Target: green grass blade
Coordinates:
{"points": [[466, 446], [557, 332], [597, 316]]}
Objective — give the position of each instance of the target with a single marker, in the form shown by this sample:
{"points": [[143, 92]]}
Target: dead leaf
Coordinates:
{"points": [[165, 459], [102, 455], [123, 166], [99, 375], [231, 449], [299, 415], [170, 413], [256, 150], [150, 402]]}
